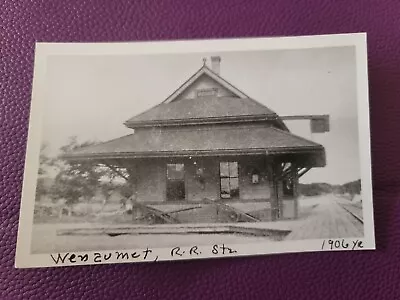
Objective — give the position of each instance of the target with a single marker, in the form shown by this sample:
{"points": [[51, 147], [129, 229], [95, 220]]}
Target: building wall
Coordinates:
{"points": [[151, 179], [151, 185], [248, 190]]}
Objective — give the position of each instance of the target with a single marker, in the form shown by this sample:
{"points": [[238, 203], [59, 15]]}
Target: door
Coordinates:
{"points": [[229, 180], [175, 182]]}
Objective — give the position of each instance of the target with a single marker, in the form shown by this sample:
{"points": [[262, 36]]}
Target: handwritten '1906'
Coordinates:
{"points": [[341, 244]]}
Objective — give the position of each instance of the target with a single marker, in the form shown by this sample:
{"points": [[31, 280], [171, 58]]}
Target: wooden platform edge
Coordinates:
{"points": [[218, 229]]}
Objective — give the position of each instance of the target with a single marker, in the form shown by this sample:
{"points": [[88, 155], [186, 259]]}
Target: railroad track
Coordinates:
{"points": [[355, 211]]}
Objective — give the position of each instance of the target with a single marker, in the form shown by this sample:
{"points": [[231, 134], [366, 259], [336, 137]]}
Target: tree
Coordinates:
{"points": [[81, 181], [107, 188], [76, 181], [44, 164], [44, 161], [41, 189], [353, 187]]}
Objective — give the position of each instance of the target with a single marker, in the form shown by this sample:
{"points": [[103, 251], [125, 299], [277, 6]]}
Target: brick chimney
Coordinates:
{"points": [[216, 64]]}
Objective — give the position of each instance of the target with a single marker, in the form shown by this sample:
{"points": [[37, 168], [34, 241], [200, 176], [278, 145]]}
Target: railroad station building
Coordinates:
{"points": [[206, 143]]}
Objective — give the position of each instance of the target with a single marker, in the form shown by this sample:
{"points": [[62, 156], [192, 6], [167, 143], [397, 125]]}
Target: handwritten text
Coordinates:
{"points": [[139, 255], [333, 244]]}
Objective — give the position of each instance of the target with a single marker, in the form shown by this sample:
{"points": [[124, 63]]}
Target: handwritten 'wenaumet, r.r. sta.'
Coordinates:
{"points": [[139, 255]]}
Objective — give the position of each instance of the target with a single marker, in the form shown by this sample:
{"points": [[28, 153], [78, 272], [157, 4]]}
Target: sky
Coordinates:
{"points": [[91, 96]]}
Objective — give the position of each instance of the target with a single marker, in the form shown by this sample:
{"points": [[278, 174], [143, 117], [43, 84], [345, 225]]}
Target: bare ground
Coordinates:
{"points": [[45, 239]]}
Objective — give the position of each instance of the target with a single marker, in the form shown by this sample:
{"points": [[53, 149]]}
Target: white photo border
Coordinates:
{"points": [[24, 258]]}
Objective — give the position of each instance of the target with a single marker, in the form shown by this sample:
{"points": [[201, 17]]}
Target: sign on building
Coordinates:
{"points": [[319, 124]]}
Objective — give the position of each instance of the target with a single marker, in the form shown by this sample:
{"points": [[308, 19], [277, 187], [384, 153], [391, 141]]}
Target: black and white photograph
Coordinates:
{"points": [[214, 147]]}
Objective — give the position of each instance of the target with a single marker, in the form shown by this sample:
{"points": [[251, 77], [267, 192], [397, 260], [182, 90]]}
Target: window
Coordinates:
{"points": [[255, 176], [175, 171], [255, 179], [229, 176]]}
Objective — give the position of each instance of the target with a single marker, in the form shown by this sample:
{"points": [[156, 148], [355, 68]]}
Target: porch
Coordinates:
{"points": [[213, 189]]}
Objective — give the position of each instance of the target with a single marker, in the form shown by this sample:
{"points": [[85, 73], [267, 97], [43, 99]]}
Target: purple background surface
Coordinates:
{"points": [[341, 275]]}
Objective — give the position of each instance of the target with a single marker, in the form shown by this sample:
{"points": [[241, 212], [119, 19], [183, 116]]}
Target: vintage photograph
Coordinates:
{"points": [[207, 146]]}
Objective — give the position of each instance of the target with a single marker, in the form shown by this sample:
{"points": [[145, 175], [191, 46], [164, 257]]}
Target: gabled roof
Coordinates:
{"points": [[231, 105], [207, 71], [208, 140], [204, 109]]}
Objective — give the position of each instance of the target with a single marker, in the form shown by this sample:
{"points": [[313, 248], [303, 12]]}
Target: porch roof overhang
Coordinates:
{"points": [[235, 140]]}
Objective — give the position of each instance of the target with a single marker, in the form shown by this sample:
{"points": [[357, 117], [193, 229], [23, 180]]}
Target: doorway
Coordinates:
{"points": [[176, 182]]}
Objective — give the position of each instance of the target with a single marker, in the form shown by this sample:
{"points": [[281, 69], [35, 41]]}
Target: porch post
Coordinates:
{"points": [[295, 176], [132, 180], [273, 183]]}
